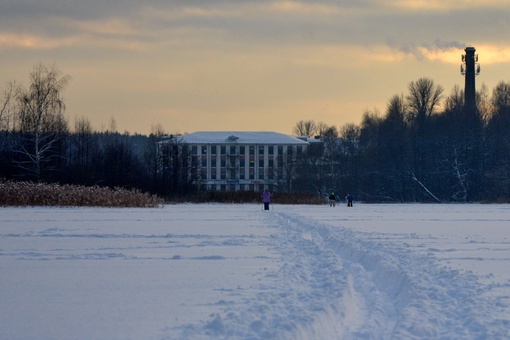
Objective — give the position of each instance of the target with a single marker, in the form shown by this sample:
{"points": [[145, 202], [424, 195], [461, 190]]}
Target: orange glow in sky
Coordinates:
{"points": [[250, 65]]}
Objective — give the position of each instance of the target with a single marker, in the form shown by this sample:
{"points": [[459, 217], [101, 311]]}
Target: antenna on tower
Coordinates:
{"points": [[470, 69], [470, 58]]}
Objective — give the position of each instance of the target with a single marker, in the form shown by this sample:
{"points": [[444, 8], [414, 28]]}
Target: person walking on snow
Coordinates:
{"points": [[332, 199], [266, 198], [349, 199]]}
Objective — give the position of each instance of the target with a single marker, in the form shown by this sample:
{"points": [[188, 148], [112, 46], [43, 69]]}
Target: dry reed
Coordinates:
{"points": [[45, 194]]}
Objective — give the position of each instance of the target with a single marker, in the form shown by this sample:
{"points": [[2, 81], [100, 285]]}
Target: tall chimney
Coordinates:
{"points": [[470, 69]]}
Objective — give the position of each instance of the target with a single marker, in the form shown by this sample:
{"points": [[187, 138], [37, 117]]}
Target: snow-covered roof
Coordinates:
{"points": [[241, 137], [310, 139]]}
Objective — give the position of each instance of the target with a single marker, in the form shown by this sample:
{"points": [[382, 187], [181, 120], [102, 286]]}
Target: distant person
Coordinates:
{"points": [[266, 198], [332, 200], [349, 199]]}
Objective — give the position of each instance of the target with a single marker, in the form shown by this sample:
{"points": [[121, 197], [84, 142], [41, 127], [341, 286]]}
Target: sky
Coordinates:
{"points": [[246, 65]]}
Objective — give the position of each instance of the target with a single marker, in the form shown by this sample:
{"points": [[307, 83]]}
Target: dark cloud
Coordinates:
{"points": [[363, 23], [445, 45], [417, 50], [74, 9]]}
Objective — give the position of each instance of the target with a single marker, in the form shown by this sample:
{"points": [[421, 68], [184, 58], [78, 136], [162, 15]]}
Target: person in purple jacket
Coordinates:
{"points": [[266, 198]]}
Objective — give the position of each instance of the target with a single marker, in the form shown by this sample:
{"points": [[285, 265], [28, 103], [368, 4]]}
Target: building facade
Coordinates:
{"points": [[253, 161]]}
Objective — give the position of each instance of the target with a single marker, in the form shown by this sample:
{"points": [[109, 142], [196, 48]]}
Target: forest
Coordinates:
{"points": [[425, 147]]}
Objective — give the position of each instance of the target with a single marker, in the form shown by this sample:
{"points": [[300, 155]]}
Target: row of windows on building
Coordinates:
{"points": [[243, 149], [242, 161], [248, 167]]}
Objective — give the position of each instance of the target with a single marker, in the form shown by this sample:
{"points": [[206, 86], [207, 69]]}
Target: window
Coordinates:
{"points": [[270, 150], [280, 150], [213, 149], [252, 150], [242, 150], [223, 149], [194, 150], [261, 163], [204, 150], [261, 150]]}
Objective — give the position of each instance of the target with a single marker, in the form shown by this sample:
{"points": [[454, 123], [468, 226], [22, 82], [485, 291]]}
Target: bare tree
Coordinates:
{"points": [[179, 169], [423, 99], [150, 156], [460, 174], [483, 103], [7, 106], [501, 99], [330, 133], [40, 116], [455, 101], [82, 146], [498, 141], [397, 109], [158, 130], [346, 157], [394, 150], [321, 128], [306, 128]]}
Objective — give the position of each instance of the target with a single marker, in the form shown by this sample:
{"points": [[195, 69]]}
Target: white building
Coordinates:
{"points": [[231, 161]]}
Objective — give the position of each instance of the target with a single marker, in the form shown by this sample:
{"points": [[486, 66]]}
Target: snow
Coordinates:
{"points": [[212, 271], [241, 137]]}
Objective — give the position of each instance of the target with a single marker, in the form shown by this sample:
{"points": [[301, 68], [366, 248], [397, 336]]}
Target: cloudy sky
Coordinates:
{"points": [[195, 65]]}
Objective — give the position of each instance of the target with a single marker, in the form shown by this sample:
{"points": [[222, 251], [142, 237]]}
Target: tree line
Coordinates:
{"points": [[37, 143], [425, 147]]}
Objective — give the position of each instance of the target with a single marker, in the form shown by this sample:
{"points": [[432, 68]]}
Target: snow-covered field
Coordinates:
{"points": [[413, 271]]}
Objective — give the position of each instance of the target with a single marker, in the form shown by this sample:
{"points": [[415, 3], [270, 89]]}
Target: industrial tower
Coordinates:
{"points": [[470, 69]]}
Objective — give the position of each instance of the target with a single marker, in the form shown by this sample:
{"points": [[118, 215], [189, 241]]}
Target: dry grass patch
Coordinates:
{"points": [[44, 194]]}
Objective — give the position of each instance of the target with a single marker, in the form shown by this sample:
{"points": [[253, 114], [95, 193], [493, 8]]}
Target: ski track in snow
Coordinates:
{"points": [[401, 294], [335, 283], [317, 279]]}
